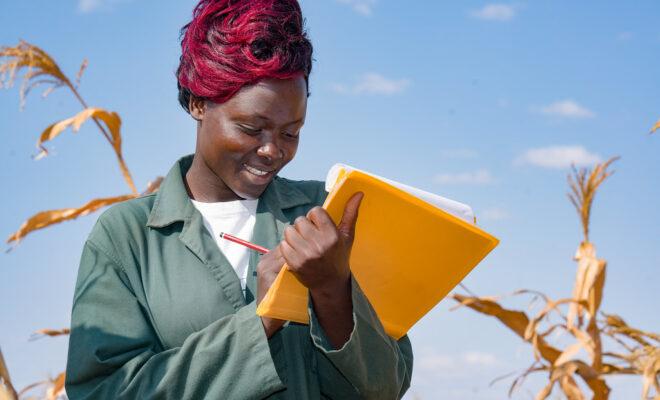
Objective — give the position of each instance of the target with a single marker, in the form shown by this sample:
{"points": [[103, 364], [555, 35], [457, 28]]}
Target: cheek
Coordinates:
{"points": [[222, 142], [290, 150]]}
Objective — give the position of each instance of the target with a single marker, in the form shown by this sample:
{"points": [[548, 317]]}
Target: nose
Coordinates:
{"points": [[270, 150]]}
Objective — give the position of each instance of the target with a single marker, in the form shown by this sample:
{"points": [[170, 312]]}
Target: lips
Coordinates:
{"points": [[260, 172]]}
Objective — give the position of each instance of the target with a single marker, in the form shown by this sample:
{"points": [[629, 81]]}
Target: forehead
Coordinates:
{"points": [[280, 100]]}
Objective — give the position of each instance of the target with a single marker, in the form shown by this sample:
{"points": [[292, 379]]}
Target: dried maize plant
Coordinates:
{"points": [[7, 391], [40, 69], [634, 352]]}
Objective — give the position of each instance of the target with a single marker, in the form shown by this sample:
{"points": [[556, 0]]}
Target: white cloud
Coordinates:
{"points": [[494, 214], [495, 12], [479, 177], [373, 83], [479, 359], [87, 6], [567, 108], [558, 157], [364, 7]]}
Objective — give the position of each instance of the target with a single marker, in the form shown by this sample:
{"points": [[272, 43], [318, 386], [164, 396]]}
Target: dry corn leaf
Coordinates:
{"points": [[53, 332], [650, 374], [656, 126], [49, 332], [521, 378], [112, 123], [153, 186], [38, 64], [47, 218], [83, 67], [7, 391], [30, 387], [588, 374], [545, 392], [531, 328], [111, 120], [57, 387], [570, 388], [616, 325], [568, 353], [586, 340], [636, 360], [517, 321]]}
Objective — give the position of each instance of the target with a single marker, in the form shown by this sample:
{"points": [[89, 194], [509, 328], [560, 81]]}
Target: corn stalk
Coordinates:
{"points": [[41, 69], [584, 321], [7, 391]]}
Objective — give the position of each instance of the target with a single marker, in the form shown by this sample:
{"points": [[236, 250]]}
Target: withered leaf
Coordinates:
{"points": [[57, 388], [112, 123], [49, 332], [650, 374], [7, 391], [47, 218], [517, 321], [111, 120]]}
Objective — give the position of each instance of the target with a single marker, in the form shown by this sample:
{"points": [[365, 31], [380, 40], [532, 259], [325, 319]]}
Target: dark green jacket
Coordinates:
{"points": [[158, 313]]}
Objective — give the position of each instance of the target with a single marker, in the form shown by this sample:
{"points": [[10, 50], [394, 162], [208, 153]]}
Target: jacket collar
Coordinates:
{"points": [[173, 204]]}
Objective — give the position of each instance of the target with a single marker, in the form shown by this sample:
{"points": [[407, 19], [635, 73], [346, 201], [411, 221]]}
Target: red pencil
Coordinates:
{"points": [[245, 243]]}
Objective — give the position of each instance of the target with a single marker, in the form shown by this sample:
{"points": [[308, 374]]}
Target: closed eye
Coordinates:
{"points": [[249, 129], [290, 135]]}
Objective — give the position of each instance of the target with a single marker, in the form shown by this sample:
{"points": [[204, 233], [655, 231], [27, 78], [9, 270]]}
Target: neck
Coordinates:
{"points": [[202, 184]]}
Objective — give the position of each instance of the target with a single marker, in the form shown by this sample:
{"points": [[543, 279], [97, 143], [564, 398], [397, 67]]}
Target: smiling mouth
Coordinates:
{"points": [[257, 171]]}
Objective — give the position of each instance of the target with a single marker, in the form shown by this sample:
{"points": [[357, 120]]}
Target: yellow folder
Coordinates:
{"points": [[407, 254]]}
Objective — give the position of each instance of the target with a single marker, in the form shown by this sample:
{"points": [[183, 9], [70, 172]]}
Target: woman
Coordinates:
{"points": [[164, 308]]}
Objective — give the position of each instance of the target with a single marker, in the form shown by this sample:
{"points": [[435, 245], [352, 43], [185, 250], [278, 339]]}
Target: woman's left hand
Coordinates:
{"points": [[317, 251]]}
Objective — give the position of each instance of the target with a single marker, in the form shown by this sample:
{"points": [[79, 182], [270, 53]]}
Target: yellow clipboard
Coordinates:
{"points": [[407, 255]]}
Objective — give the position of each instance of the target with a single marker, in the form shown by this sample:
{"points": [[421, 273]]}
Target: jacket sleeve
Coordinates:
{"points": [[115, 353], [375, 365]]}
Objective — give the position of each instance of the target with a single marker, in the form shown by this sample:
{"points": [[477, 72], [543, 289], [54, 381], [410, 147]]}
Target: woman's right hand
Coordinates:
{"points": [[267, 269]]}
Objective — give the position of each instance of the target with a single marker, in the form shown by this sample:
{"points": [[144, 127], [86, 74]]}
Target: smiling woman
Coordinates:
{"points": [[164, 308]]}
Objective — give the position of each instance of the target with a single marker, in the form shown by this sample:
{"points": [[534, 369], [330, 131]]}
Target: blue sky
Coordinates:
{"points": [[485, 103]]}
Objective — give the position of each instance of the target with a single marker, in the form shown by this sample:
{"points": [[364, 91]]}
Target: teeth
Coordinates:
{"points": [[256, 171]]}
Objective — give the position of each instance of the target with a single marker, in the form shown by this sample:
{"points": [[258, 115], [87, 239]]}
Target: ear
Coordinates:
{"points": [[197, 107]]}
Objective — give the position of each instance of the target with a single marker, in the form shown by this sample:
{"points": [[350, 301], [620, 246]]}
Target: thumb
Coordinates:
{"points": [[347, 225]]}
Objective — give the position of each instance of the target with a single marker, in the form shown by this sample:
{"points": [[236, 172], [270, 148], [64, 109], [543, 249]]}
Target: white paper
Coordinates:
{"points": [[453, 207]]}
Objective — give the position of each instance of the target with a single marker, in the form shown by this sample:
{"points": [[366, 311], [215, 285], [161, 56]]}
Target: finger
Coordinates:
{"points": [[290, 255], [293, 238], [305, 227], [276, 253], [320, 218], [347, 225]]}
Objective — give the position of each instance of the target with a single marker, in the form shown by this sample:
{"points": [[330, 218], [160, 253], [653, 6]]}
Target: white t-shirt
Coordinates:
{"points": [[235, 218]]}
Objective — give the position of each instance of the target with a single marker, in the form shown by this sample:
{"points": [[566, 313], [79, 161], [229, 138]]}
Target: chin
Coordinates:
{"points": [[251, 193]]}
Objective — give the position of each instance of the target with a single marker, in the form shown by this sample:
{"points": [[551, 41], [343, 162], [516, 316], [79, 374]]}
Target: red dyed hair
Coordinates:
{"points": [[233, 43]]}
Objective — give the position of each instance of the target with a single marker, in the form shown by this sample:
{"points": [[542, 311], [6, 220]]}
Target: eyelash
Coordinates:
{"points": [[254, 132]]}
